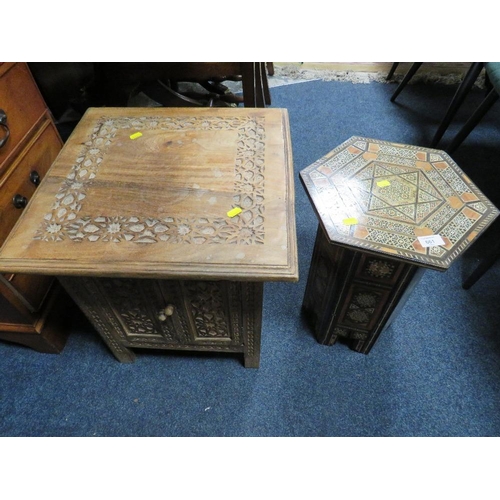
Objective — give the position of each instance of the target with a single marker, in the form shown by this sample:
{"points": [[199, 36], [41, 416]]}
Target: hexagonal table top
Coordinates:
{"points": [[408, 202]]}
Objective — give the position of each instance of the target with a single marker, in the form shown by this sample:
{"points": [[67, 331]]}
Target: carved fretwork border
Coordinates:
{"points": [[67, 220]]}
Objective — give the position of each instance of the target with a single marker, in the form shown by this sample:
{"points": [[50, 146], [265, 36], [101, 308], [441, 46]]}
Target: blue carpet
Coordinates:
{"points": [[435, 372]]}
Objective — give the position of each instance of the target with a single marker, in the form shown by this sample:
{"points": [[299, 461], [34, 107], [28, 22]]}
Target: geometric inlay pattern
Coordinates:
{"points": [[362, 307], [382, 196], [67, 218], [379, 269]]}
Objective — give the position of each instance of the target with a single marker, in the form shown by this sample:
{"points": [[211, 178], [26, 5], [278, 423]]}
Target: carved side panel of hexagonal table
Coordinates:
{"points": [[386, 212]]}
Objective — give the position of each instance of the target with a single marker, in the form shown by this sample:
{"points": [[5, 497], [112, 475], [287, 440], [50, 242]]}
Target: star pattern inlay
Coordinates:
{"points": [[396, 193]]}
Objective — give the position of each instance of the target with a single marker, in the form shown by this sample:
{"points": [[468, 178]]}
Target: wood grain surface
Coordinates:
{"points": [[145, 192]]}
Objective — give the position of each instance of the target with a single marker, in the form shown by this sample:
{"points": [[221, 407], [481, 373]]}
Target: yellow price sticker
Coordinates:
{"points": [[234, 212], [350, 221], [383, 184], [136, 135]]}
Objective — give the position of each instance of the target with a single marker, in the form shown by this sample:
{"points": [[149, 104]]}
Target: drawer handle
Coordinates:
{"points": [[165, 313], [35, 177], [19, 201], [3, 124]]}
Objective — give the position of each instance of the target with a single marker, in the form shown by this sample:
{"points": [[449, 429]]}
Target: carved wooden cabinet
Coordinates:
{"points": [[164, 223], [191, 315], [30, 305]]}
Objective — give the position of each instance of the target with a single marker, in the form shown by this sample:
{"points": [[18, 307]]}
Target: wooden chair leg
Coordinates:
{"points": [[413, 69], [483, 266], [255, 86], [462, 91], [270, 69], [391, 71], [483, 108], [265, 84]]}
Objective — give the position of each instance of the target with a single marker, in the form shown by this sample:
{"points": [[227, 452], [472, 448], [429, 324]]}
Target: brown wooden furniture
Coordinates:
{"points": [[386, 212], [30, 306], [118, 80], [136, 219]]}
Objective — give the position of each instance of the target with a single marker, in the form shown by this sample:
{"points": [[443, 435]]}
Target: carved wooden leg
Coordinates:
{"points": [[252, 322], [353, 296], [89, 299]]}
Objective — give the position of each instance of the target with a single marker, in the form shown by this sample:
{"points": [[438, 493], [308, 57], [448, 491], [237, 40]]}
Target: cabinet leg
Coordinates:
{"points": [[252, 361], [86, 297], [122, 354], [253, 294]]}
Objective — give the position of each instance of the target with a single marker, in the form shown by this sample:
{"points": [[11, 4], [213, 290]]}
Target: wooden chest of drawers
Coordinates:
{"points": [[31, 307]]}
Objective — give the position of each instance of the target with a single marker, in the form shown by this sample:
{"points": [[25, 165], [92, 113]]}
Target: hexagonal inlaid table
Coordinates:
{"points": [[386, 213]]}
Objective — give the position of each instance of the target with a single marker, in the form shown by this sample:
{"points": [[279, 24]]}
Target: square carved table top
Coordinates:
{"points": [[148, 192], [408, 202]]}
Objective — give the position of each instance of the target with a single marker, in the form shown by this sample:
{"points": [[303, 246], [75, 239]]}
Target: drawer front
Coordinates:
{"points": [[23, 105], [22, 180], [27, 289]]}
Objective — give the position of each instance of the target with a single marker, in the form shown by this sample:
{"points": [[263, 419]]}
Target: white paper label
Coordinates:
{"points": [[431, 241]]}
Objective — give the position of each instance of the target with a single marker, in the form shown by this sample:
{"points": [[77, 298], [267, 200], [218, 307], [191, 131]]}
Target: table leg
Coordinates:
{"points": [[352, 296]]}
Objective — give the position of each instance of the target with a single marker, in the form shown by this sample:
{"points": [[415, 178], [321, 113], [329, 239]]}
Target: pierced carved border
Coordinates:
{"points": [[67, 221]]}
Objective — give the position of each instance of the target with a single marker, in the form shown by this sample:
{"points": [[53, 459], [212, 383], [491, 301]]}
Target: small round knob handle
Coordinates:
{"points": [[166, 312], [35, 177], [19, 201]]}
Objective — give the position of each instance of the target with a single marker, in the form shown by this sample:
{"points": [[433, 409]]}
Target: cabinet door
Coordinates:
{"points": [[212, 310], [138, 306], [174, 314]]}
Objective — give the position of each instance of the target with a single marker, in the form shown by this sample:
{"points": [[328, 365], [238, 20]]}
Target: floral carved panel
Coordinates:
{"points": [[67, 218]]}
